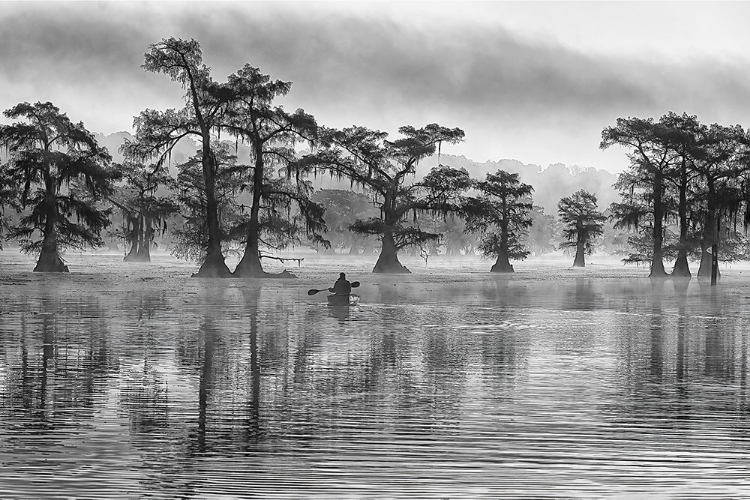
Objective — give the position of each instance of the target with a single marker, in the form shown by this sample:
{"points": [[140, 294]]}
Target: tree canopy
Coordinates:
{"points": [[501, 214], [192, 235], [683, 171], [281, 209], [582, 222], [145, 212], [62, 172], [158, 132], [653, 147], [381, 167]]}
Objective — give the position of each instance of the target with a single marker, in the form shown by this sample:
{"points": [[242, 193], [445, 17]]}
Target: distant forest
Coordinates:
{"points": [[550, 183]]}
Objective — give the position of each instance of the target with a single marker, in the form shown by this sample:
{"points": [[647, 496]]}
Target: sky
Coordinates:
{"points": [[531, 81]]}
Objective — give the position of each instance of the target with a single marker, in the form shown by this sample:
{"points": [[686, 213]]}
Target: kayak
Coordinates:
{"points": [[343, 300]]}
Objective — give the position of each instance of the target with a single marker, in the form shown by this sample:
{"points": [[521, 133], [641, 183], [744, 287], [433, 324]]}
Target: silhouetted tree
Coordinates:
{"points": [[717, 159], [281, 210], [144, 212], [582, 223], [501, 214], [652, 157], [682, 179], [157, 132], [191, 240], [62, 171], [381, 167], [633, 213]]}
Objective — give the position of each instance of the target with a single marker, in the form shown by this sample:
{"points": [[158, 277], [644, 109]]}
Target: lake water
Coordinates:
{"points": [[136, 381]]}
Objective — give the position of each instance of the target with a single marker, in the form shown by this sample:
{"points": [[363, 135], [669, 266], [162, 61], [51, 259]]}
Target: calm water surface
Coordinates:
{"points": [[136, 381]]}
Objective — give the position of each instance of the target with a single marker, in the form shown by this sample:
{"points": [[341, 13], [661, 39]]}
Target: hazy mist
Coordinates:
{"points": [[539, 97]]}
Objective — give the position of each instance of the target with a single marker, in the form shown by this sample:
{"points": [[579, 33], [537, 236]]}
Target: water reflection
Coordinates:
{"points": [[683, 336], [512, 387], [254, 430], [61, 362], [341, 313], [696, 383], [656, 326], [584, 296]]}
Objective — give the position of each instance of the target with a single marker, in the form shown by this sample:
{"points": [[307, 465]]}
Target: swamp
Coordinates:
{"points": [[137, 381]]}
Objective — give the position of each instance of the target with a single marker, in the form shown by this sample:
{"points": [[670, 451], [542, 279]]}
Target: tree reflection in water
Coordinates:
{"points": [[656, 326], [683, 335], [57, 360], [191, 388], [694, 352], [63, 365]]}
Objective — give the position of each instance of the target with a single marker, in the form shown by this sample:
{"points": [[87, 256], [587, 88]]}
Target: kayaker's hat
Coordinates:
{"points": [[342, 275]]}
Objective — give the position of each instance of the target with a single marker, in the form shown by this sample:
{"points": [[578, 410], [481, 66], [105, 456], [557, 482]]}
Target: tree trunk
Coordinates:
{"points": [[388, 262], [580, 259], [657, 262], [132, 255], [714, 263], [709, 236], [49, 257], [657, 265], [250, 266], [502, 264], [141, 236], [681, 268], [704, 271], [144, 251], [214, 266]]}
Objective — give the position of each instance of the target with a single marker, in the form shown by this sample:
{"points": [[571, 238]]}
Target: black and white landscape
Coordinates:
{"points": [[541, 209]]}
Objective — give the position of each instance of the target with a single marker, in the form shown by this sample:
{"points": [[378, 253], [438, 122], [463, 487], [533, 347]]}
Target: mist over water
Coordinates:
{"points": [[136, 381]]}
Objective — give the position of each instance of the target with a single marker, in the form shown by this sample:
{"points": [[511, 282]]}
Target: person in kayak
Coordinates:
{"points": [[342, 286]]}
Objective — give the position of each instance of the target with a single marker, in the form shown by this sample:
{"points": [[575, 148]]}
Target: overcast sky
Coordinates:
{"points": [[532, 81]]}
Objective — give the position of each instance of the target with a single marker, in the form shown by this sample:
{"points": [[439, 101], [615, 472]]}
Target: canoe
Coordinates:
{"points": [[343, 300]]}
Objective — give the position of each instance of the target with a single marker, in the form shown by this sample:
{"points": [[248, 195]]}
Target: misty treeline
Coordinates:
{"points": [[685, 193], [248, 188]]}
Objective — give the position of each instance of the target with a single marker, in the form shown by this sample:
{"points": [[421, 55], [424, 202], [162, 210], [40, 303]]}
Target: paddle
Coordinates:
{"points": [[313, 291]]}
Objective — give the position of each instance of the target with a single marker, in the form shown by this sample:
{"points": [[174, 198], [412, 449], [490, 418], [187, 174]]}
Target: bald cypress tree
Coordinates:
{"points": [[281, 210], [719, 158], [501, 214], [158, 132], [654, 153], [382, 167], [145, 211], [582, 223], [63, 173]]}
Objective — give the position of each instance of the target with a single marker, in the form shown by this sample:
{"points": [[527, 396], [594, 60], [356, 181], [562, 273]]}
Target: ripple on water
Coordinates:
{"points": [[141, 382]]}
